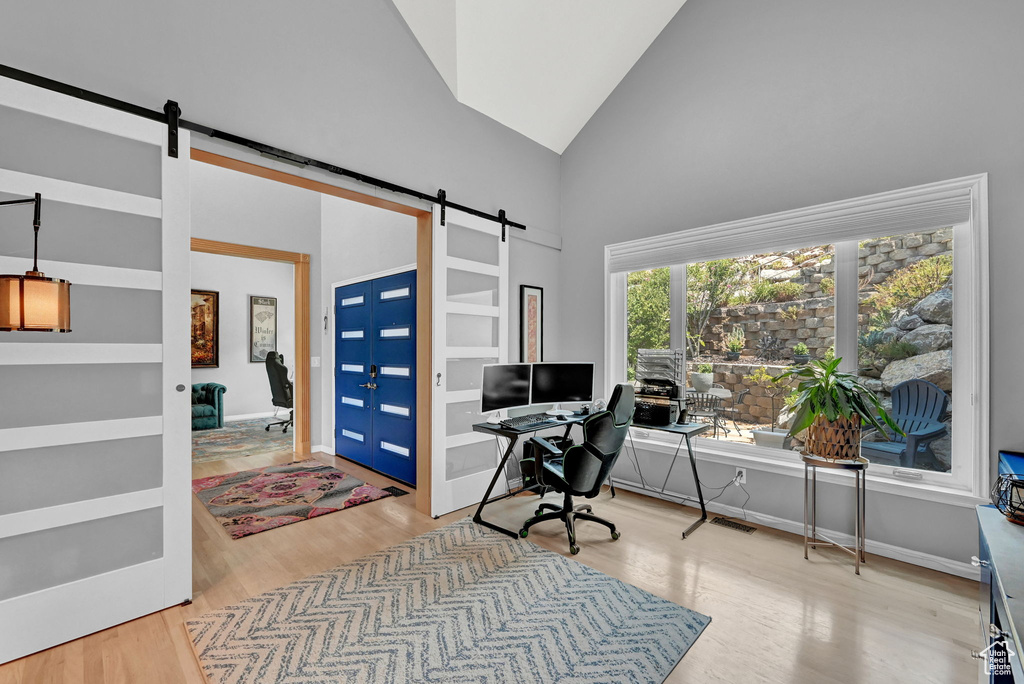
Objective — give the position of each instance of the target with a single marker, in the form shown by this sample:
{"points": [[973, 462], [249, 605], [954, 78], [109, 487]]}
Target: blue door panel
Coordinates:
{"points": [[376, 326], [394, 349], [353, 404]]}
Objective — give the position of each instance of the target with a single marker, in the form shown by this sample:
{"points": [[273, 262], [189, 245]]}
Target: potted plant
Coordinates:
{"points": [[734, 344], [702, 379], [801, 354], [832, 406], [776, 438]]}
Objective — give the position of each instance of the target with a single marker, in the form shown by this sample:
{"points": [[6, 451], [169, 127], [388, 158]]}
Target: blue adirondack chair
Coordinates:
{"points": [[917, 407]]}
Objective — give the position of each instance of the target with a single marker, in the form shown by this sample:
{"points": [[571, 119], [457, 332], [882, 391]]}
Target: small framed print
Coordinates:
{"points": [[531, 324], [262, 328], [205, 325]]}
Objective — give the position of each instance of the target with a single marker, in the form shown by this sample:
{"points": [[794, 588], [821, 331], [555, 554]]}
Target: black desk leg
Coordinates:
{"points": [[483, 502], [700, 494]]}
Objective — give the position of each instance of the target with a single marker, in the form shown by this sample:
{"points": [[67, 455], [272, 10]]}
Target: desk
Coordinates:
{"points": [[512, 435], [685, 432]]}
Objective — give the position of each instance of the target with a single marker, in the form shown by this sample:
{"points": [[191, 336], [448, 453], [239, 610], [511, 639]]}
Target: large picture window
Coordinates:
{"points": [[870, 281]]}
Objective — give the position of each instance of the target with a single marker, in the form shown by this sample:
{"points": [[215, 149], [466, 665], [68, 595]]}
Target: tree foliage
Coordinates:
{"points": [[647, 313], [709, 285]]}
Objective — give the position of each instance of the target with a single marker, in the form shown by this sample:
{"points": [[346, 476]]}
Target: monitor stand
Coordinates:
{"points": [[494, 418], [559, 412]]}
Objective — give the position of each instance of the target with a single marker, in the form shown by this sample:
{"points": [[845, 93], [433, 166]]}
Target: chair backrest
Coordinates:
{"points": [[704, 402], [915, 402], [586, 466], [280, 385]]}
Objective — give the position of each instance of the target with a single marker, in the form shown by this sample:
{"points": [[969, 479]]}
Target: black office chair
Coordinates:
{"points": [[280, 389], [584, 467]]}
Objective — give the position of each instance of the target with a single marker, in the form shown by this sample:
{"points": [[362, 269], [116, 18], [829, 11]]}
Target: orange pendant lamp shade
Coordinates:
{"points": [[33, 301]]}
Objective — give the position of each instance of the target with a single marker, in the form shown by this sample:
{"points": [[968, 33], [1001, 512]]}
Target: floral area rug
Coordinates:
{"points": [[253, 501], [239, 438]]}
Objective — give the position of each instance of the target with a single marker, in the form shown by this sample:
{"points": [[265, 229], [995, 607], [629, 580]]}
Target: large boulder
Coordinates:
{"points": [[931, 337], [936, 307], [935, 367], [909, 322]]}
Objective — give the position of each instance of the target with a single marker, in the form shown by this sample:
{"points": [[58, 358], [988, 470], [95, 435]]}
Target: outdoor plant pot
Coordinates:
{"points": [[701, 382], [732, 356], [776, 438], [801, 359], [837, 440]]}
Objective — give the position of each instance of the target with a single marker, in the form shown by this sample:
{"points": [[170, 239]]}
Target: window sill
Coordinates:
{"points": [[765, 460]]}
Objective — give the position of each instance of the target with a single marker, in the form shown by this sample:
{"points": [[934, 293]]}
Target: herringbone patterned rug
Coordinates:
{"points": [[459, 604]]}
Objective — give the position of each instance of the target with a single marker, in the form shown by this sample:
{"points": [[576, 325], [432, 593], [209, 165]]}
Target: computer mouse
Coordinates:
{"points": [[559, 417]]}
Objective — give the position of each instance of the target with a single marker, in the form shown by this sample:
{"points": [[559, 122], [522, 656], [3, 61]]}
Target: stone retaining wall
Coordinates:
{"points": [[756, 405]]}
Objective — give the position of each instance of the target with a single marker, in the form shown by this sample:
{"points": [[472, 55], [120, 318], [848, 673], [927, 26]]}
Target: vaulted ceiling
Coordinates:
{"points": [[541, 67]]}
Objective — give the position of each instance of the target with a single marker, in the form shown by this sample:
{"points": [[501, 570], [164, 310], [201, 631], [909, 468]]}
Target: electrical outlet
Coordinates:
{"points": [[741, 476], [314, 361]]}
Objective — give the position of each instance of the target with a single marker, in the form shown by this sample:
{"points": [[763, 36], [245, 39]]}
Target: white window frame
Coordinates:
{"points": [[967, 484]]}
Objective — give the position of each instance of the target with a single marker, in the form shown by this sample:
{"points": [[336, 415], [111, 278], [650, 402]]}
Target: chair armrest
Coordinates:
{"points": [[932, 429], [544, 449]]}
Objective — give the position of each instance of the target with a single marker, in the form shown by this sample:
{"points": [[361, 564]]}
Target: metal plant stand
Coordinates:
{"points": [[859, 468]]}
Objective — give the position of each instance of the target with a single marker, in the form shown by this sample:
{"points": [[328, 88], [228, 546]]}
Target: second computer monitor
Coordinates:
{"points": [[505, 385], [555, 383]]}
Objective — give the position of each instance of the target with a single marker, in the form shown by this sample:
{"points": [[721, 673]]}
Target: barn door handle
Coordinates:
{"points": [[438, 379]]}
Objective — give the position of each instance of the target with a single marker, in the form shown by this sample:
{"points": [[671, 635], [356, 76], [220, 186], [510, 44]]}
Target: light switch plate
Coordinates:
{"points": [[314, 361]]}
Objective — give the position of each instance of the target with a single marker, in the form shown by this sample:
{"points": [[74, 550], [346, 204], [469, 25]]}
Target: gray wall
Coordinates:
{"points": [[744, 108], [236, 279]]}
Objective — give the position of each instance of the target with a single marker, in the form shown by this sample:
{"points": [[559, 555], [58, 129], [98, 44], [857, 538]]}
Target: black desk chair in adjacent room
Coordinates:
{"points": [[280, 389], [584, 467]]}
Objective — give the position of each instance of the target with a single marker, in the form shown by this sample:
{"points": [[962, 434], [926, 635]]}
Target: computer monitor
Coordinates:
{"points": [[554, 383], [504, 386]]}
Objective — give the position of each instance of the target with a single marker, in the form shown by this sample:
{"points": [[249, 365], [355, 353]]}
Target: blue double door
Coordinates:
{"points": [[375, 374]]}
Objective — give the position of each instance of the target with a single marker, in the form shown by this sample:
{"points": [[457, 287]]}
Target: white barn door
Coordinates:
{"points": [[95, 523], [470, 312]]}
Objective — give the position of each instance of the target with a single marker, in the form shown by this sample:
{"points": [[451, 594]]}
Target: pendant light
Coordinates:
{"points": [[33, 301]]}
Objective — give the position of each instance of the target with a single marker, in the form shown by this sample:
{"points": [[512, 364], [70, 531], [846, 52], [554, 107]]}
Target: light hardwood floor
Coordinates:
{"points": [[775, 616]]}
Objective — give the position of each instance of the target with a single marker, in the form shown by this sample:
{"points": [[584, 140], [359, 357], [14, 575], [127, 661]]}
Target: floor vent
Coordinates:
{"points": [[733, 525], [395, 491]]}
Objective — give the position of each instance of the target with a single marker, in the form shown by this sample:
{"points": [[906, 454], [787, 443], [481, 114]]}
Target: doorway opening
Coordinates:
{"points": [[334, 259], [250, 325]]}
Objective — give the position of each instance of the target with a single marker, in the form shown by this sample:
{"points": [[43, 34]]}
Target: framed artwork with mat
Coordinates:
{"points": [[531, 324], [262, 327], [205, 329]]}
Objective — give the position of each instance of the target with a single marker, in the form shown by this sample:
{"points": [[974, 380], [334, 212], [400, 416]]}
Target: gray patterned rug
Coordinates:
{"points": [[459, 604]]}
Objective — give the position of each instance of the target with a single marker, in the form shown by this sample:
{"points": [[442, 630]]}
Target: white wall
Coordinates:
{"points": [[742, 108], [357, 241], [236, 278]]}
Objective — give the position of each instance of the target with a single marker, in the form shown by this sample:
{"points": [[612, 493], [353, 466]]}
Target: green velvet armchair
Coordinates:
{"points": [[208, 406]]}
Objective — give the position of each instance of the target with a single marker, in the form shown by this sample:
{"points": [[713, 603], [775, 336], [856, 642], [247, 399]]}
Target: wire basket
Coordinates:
{"points": [[1008, 496]]}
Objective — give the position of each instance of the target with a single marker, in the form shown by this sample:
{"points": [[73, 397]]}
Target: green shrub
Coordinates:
{"points": [[830, 354], [735, 341], [787, 292], [828, 286], [800, 349], [790, 313], [895, 350], [705, 368], [909, 285]]}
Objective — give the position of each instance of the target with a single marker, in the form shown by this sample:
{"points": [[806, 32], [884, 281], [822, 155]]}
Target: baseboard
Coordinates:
{"points": [[924, 560], [320, 448], [249, 416]]}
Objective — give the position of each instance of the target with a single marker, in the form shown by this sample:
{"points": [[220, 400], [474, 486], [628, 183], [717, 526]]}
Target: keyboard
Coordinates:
{"points": [[532, 421]]}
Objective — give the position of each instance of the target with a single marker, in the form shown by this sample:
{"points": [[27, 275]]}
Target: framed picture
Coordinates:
{"points": [[531, 324], [262, 328], [205, 329]]}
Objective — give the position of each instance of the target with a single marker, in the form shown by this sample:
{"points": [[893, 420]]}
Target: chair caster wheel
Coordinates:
{"points": [[523, 532], [267, 428], [538, 512], [573, 549], [615, 535]]}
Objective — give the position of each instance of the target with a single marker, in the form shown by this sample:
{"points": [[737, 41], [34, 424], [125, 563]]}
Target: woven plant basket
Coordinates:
{"points": [[837, 440]]}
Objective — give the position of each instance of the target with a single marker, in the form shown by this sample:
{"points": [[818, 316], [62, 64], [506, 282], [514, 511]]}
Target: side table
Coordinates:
{"points": [[859, 468]]}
